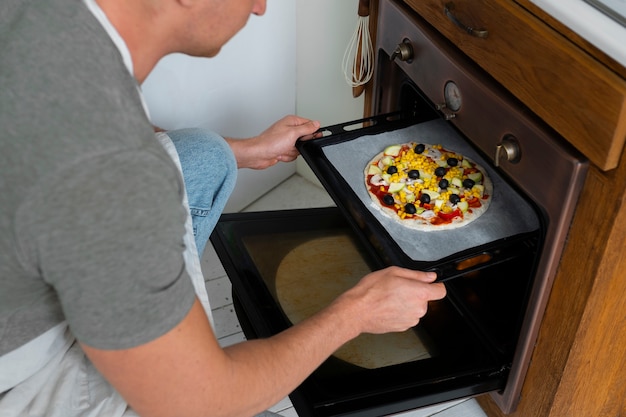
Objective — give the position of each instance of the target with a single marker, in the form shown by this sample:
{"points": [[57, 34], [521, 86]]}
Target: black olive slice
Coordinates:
{"points": [[468, 183], [410, 208], [388, 199]]}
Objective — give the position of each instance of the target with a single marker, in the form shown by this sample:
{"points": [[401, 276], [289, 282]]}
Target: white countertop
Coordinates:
{"points": [[591, 24]]}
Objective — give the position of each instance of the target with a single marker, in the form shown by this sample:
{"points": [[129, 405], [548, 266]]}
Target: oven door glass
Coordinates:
{"points": [[286, 265]]}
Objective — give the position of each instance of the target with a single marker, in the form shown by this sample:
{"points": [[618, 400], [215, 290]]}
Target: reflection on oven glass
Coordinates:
{"points": [[311, 274]]}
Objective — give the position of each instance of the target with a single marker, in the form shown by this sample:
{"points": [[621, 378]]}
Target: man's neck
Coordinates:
{"points": [[142, 30]]}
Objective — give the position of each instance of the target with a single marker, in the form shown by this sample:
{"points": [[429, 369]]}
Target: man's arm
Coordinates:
{"points": [[276, 144], [186, 372]]}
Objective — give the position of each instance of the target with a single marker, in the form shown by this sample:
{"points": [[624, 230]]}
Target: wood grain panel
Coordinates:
{"points": [[594, 378], [367, 105]]}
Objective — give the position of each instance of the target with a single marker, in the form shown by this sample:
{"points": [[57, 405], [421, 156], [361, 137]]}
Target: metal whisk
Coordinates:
{"points": [[358, 59]]}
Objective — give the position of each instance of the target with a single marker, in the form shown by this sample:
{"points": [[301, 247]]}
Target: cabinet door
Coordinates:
{"points": [[575, 94]]}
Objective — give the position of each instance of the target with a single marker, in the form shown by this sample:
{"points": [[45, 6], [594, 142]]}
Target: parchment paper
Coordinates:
{"points": [[508, 215]]}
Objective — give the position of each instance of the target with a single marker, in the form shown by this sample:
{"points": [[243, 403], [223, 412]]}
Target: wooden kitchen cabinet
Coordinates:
{"points": [[578, 96], [578, 368]]}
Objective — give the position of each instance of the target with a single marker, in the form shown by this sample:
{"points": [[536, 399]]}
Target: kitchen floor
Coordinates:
{"points": [[295, 192]]}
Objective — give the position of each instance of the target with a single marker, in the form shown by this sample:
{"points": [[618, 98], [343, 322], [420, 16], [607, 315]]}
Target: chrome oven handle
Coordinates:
{"points": [[479, 33], [404, 52], [509, 147]]}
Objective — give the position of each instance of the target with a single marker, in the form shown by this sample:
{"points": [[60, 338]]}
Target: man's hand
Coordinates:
{"points": [[275, 144], [390, 300]]}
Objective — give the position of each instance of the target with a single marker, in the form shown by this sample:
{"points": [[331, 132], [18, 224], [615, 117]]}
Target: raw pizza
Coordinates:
{"points": [[427, 187]]}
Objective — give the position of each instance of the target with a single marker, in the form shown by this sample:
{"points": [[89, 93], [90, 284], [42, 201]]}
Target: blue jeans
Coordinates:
{"points": [[210, 172]]}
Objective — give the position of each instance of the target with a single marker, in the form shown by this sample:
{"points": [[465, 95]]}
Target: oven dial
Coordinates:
{"points": [[452, 95]]}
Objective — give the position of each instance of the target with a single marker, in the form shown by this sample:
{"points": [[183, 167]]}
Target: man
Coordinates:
{"points": [[94, 226]]}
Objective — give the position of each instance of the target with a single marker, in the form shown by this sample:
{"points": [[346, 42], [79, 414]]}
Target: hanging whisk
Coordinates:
{"points": [[358, 59]]}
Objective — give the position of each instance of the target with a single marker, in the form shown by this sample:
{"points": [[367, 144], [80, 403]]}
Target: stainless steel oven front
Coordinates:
{"points": [[285, 265]]}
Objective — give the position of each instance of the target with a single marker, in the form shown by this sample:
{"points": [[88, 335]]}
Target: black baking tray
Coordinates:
{"points": [[371, 230]]}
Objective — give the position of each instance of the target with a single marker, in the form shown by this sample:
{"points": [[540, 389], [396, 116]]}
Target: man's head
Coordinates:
{"points": [[155, 28], [211, 23]]}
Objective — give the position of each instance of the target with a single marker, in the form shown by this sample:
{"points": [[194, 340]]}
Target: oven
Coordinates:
{"points": [[498, 270]]}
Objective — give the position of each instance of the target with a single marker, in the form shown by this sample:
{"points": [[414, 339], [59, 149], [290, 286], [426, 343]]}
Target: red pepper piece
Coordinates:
{"points": [[474, 202], [451, 215]]}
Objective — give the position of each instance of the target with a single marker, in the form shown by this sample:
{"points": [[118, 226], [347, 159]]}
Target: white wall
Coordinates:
{"points": [[324, 31], [287, 61], [239, 93], [593, 25]]}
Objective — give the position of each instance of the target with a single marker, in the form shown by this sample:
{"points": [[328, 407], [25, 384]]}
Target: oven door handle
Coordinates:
{"points": [[340, 128], [487, 258]]}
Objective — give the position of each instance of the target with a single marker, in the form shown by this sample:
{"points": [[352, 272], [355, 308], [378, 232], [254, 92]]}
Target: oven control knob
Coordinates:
{"points": [[508, 148], [404, 51]]}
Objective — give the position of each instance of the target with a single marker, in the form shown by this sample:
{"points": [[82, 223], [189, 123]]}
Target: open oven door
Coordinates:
{"points": [[286, 265]]}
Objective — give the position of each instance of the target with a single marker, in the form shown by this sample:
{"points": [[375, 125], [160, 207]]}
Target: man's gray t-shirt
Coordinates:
{"points": [[91, 214]]}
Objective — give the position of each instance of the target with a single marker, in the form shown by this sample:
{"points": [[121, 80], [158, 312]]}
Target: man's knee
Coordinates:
{"points": [[205, 156]]}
